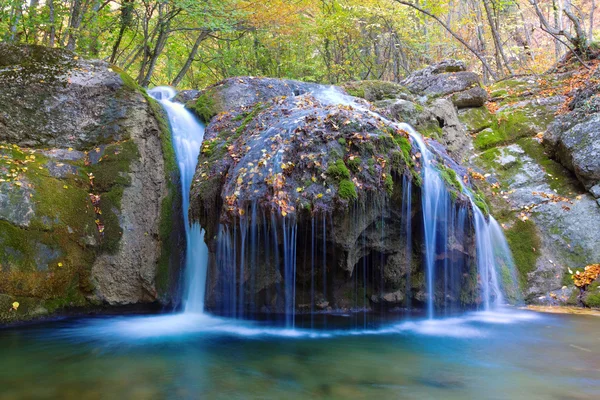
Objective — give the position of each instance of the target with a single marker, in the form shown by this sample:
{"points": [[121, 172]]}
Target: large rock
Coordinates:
{"points": [[574, 138], [87, 180], [548, 217], [243, 91], [438, 119], [470, 98], [441, 79], [315, 184]]}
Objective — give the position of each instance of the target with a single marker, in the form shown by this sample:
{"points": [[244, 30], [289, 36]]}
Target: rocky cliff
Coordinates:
{"points": [[88, 187]]}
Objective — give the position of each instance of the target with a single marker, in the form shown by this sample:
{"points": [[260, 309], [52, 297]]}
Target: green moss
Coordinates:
{"points": [[115, 166], [347, 190], [338, 170], [354, 164], [374, 90], [524, 243], [481, 202], [207, 105], [431, 130], [593, 300], [258, 107], [469, 287], [389, 185], [557, 177], [490, 156], [342, 141], [128, 81], [450, 178]]}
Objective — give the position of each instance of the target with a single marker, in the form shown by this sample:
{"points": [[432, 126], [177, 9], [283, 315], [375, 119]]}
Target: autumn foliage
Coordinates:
{"points": [[589, 275]]}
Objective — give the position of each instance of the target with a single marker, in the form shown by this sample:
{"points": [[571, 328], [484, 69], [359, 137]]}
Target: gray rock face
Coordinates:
{"points": [[68, 102], [441, 79], [567, 224], [578, 148], [183, 96], [438, 120], [454, 136], [244, 91], [16, 206], [85, 211], [470, 98]]}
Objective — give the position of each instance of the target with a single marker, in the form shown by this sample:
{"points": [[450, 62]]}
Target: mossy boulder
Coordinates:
{"points": [[442, 79], [84, 169], [274, 175]]}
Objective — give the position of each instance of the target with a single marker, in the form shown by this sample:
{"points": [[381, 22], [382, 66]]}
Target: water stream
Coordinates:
{"points": [[187, 135]]}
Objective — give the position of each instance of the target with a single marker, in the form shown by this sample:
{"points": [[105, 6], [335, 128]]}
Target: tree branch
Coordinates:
{"points": [[451, 32]]}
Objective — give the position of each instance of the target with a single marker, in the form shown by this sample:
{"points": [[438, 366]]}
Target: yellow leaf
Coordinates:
{"points": [[283, 213], [319, 195], [60, 264], [70, 149], [15, 305], [65, 187]]}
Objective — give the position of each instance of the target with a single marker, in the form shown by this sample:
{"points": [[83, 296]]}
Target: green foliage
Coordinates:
{"points": [[347, 190]]}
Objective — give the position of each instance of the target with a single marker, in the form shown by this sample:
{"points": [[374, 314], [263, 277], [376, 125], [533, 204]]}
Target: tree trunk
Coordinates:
{"points": [[496, 36], [161, 41], [591, 27], [125, 20], [451, 32], [77, 12], [52, 36], [188, 62], [16, 15]]}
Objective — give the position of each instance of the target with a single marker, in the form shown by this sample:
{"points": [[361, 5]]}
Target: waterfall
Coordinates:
{"points": [[493, 253], [491, 245], [187, 135], [250, 251]]}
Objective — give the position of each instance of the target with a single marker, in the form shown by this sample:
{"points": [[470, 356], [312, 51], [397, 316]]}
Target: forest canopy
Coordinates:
{"points": [[194, 43]]}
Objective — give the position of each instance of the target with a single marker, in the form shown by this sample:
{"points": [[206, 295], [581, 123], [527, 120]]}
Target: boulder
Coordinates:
{"points": [[470, 98], [573, 138], [441, 79], [243, 91], [315, 171], [87, 180]]}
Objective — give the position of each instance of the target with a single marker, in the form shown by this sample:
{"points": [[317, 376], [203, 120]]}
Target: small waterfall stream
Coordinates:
{"points": [[187, 134], [492, 250]]}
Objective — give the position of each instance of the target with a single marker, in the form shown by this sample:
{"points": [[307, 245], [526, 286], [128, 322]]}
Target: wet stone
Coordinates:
{"points": [[64, 154], [60, 170]]}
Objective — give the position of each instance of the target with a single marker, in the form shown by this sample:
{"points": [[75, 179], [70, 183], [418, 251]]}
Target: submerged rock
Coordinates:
{"points": [[87, 177]]}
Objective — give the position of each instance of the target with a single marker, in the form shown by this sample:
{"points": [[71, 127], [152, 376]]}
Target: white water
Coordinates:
{"points": [[493, 252], [187, 134]]}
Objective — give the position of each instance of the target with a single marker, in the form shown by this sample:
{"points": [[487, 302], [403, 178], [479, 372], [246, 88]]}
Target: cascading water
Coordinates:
{"points": [[493, 253], [491, 243], [187, 134]]}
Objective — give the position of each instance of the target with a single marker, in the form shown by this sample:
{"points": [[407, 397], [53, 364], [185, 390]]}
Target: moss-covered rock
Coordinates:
{"points": [[287, 166], [85, 165]]}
